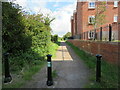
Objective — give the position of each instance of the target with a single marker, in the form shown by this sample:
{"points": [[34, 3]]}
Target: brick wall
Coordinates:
{"points": [[109, 50]]}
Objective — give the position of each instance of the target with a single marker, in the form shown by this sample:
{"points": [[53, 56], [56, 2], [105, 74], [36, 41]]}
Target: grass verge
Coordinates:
{"points": [[109, 72], [26, 74], [53, 49], [28, 69]]}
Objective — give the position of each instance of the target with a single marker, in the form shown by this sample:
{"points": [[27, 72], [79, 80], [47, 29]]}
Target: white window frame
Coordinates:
{"points": [[90, 34], [91, 7], [115, 3], [89, 19], [115, 18]]}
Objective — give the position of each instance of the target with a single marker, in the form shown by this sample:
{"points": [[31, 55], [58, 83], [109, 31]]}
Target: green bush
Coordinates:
{"points": [[13, 26], [54, 38], [26, 37]]}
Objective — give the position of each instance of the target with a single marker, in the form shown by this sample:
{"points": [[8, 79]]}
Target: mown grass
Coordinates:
{"points": [[24, 74], [109, 72]]}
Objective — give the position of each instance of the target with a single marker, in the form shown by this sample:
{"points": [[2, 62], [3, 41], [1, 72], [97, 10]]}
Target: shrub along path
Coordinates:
{"points": [[69, 71]]}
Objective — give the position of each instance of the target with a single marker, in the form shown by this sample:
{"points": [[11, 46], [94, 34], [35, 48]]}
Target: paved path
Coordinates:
{"points": [[63, 53], [72, 72]]}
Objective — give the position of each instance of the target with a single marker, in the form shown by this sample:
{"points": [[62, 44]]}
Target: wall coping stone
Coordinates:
{"points": [[107, 42]]}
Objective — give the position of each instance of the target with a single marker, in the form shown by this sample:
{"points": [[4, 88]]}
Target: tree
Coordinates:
{"points": [[38, 27], [13, 37], [54, 38], [99, 16], [68, 34], [25, 36], [22, 31], [48, 20]]}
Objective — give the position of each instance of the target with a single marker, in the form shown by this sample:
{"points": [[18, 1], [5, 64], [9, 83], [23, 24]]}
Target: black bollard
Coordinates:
{"points": [[8, 77], [98, 68], [49, 79]]}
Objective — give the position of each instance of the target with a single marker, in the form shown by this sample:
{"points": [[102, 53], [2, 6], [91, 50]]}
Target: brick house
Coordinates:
{"points": [[84, 15], [74, 23], [119, 20]]}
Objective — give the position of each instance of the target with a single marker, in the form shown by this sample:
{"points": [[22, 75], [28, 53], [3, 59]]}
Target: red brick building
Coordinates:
{"points": [[74, 23], [82, 21], [119, 20]]}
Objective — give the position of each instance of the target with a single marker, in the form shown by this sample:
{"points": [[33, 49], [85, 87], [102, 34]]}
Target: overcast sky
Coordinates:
{"points": [[62, 10]]}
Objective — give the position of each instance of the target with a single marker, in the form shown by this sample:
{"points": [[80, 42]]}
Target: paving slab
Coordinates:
{"points": [[62, 54]]}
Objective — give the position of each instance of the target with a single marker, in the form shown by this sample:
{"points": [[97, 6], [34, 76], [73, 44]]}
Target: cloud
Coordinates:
{"points": [[60, 0], [22, 3], [56, 4], [61, 25]]}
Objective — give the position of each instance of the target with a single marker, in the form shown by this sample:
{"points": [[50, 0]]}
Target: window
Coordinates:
{"points": [[90, 35], [115, 18], [115, 3], [91, 5], [91, 19]]}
